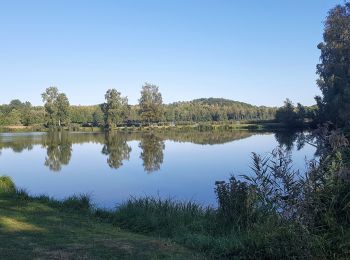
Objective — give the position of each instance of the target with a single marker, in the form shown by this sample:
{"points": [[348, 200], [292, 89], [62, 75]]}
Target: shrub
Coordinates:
{"points": [[6, 185]]}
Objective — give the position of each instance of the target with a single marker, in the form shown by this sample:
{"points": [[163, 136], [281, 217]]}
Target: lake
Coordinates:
{"points": [[113, 167]]}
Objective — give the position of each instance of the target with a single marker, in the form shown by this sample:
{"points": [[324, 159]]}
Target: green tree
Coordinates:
{"points": [[56, 107], [27, 115], [16, 104], [334, 69], [115, 108], [62, 104], [13, 118], [286, 114], [151, 104]]}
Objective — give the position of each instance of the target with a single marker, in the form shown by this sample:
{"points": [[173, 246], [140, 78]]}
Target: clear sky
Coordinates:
{"points": [[255, 51]]}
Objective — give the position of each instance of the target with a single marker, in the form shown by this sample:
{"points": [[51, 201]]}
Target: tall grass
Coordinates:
{"points": [[80, 203]]}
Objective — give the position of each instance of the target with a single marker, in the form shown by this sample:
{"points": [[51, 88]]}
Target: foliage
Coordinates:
{"points": [[18, 113], [333, 71], [200, 110], [115, 109], [235, 203], [293, 116], [56, 107], [216, 109], [151, 104], [6, 185]]}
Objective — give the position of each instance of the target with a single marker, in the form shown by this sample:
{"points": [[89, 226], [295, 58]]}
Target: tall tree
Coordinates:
{"points": [[62, 103], [56, 107], [334, 69], [115, 108], [151, 104]]}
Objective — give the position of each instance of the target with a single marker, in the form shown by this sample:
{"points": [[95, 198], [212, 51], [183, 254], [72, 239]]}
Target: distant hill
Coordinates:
{"points": [[220, 102], [217, 102]]}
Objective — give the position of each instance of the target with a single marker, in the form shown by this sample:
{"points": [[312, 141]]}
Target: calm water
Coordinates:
{"points": [[115, 166]]}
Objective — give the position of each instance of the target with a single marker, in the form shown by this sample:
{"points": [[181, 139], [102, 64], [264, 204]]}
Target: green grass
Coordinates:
{"points": [[205, 230], [42, 228]]}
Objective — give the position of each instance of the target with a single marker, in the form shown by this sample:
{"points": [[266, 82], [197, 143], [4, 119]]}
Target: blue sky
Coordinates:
{"points": [[255, 51]]}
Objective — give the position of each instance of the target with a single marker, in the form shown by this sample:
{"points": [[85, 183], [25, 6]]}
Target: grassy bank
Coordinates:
{"points": [[45, 228], [41, 228]]}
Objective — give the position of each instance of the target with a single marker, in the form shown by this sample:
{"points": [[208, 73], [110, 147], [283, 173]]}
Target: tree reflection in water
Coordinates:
{"points": [[117, 149], [115, 146], [59, 149], [289, 139], [152, 147]]}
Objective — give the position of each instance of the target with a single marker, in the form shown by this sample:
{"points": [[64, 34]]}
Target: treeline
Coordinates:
{"points": [[199, 110], [58, 112], [216, 109], [21, 113], [296, 116]]}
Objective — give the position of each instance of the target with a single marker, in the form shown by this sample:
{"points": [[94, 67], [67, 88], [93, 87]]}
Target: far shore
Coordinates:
{"points": [[205, 126]]}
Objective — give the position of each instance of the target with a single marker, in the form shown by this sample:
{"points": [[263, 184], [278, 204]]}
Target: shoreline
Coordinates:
{"points": [[217, 126]]}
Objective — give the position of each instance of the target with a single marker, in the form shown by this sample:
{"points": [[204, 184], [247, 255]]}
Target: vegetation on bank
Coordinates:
{"points": [[42, 228]]}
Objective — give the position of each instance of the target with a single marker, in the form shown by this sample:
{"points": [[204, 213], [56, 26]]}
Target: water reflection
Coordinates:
{"points": [[114, 166], [152, 147], [59, 150], [115, 145], [116, 148], [288, 139]]}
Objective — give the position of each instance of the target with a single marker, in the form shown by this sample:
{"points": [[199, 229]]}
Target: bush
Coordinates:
{"points": [[236, 203], [6, 185]]}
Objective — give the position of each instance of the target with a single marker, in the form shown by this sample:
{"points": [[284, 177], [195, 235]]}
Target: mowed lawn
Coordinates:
{"points": [[34, 229]]}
